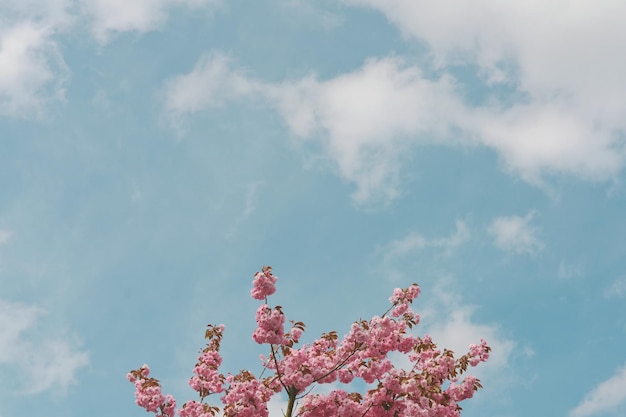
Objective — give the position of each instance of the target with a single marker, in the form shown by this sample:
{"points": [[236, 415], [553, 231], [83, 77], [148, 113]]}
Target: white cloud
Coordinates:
{"points": [[607, 396], [515, 234], [566, 64], [32, 70], [569, 47], [369, 119], [563, 115], [457, 331], [113, 16], [33, 73], [365, 119], [543, 138], [212, 82], [21, 344]]}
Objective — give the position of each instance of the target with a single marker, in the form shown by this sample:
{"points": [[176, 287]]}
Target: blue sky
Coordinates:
{"points": [[154, 154]]}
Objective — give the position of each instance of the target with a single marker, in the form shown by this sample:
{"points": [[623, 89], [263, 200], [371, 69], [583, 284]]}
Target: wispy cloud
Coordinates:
{"points": [[21, 347], [5, 236], [252, 196], [617, 288], [568, 271], [515, 234], [414, 242], [314, 13], [605, 397]]}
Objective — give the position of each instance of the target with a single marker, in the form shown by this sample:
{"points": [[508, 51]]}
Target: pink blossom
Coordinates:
{"points": [[429, 387], [296, 333], [263, 284], [195, 409], [270, 329]]}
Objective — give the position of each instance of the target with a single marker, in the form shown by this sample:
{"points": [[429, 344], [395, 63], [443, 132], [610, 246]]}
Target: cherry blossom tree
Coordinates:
{"points": [[432, 385]]}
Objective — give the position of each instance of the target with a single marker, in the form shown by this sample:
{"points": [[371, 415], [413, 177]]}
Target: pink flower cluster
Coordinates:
{"points": [[207, 379], [430, 387], [337, 403], [270, 325], [247, 396], [148, 393], [263, 284], [401, 298], [196, 409], [479, 353]]}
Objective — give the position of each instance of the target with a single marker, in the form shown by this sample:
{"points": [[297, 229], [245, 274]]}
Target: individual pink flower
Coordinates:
{"points": [[296, 333]]}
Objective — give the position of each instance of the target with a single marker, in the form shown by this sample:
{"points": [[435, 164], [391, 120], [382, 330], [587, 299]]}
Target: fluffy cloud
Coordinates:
{"points": [[562, 113], [32, 71], [604, 398], [566, 66], [21, 346], [515, 234], [569, 47], [365, 119], [113, 16], [212, 82], [539, 139]]}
